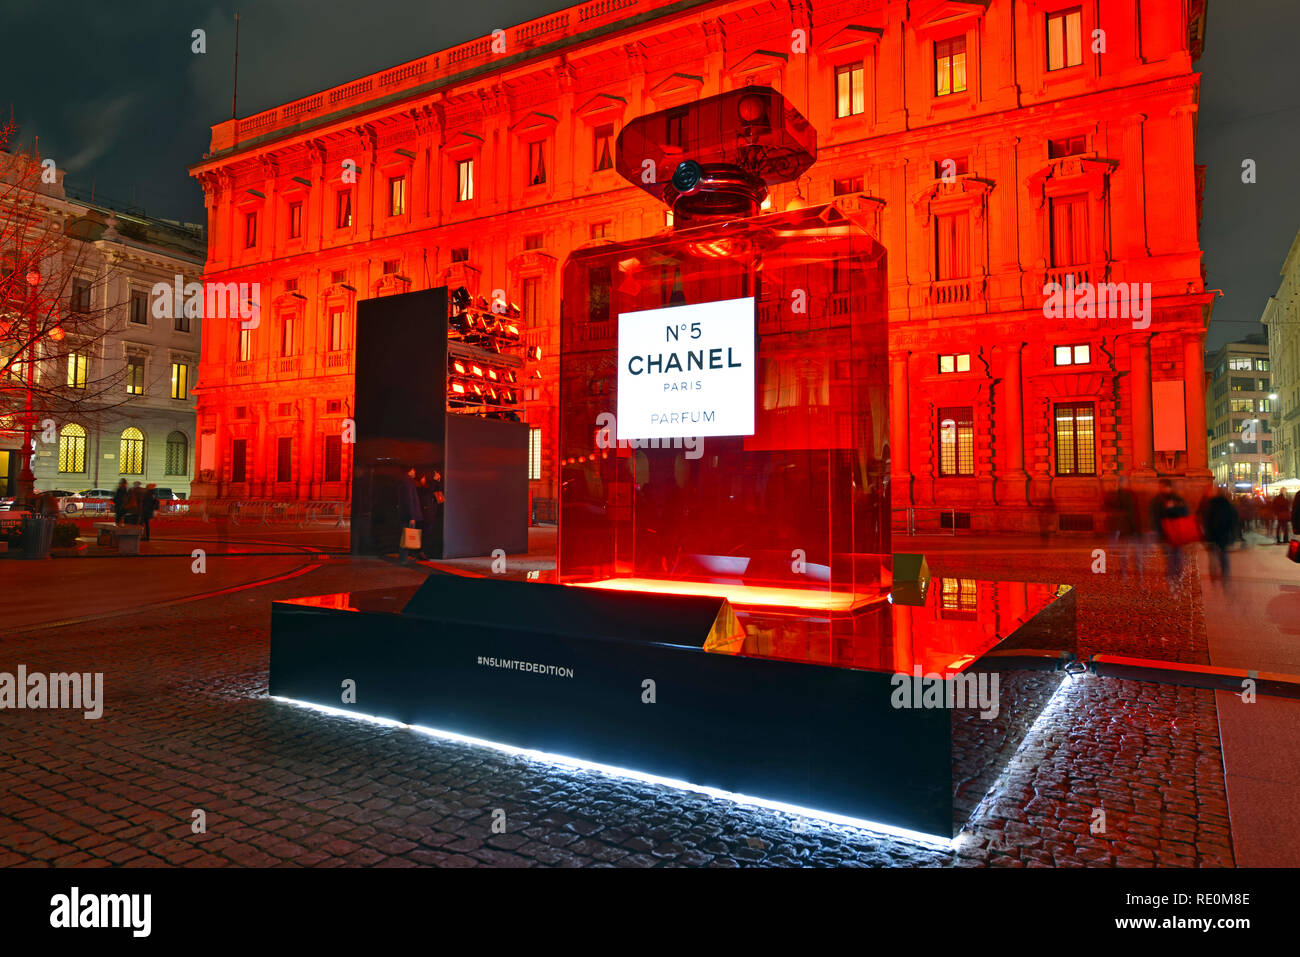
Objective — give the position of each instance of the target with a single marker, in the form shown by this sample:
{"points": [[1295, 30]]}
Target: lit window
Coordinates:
{"points": [[1064, 39], [72, 449], [180, 380], [603, 150], [850, 97], [957, 441], [1075, 438], [534, 454], [1069, 217], [343, 209], [1239, 363], [131, 452], [286, 336], [949, 66], [250, 230], [397, 196], [536, 163], [295, 220], [135, 376], [76, 371], [336, 329], [464, 181], [1073, 355], [955, 363], [245, 344]]}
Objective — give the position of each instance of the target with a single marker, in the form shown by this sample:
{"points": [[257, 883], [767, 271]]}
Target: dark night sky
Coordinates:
{"points": [[114, 93]]}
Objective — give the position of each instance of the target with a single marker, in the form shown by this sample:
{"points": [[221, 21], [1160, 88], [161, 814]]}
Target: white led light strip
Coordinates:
{"points": [[930, 840]]}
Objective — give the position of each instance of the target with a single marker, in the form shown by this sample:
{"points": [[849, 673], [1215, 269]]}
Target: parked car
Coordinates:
{"points": [[97, 499], [68, 502]]}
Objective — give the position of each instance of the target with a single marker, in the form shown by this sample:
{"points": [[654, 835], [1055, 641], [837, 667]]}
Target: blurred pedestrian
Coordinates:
{"points": [[119, 501], [1220, 521], [1127, 529], [1281, 512], [1174, 527], [409, 513], [148, 505]]}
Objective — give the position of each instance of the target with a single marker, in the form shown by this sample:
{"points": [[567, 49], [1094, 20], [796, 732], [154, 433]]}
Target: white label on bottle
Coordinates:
{"points": [[686, 371]]}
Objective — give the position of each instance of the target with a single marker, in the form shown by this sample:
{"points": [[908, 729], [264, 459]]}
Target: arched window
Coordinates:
{"points": [[178, 458], [72, 449], [132, 452]]}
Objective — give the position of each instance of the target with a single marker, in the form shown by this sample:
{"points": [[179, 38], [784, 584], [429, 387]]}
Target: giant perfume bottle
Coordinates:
{"points": [[724, 404]]}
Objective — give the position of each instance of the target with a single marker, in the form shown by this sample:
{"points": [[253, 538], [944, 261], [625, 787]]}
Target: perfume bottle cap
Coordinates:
{"points": [[752, 133]]}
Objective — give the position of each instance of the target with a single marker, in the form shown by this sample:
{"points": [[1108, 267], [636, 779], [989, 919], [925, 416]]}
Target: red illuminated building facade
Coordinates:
{"points": [[993, 147]]}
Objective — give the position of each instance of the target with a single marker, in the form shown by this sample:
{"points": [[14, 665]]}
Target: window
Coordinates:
{"points": [[603, 147], [343, 209], [951, 166], [600, 230], [334, 406], [241, 411], [284, 409], [955, 363], [72, 449], [286, 336], [850, 97], [1075, 439], [534, 455], [250, 230], [1069, 219], [533, 241], [952, 246], [949, 66], [135, 376], [1261, 365], [1073, 355], [397, 196], [958, 597], [333, 459], [529, 306], [239, 460], [848, 185], [1242, 385], [338, 277], [460, 254], [182, 322], [284, 458], [1239, 363], [598, 301], [957, 441], [180, 380], [81, 298], [336, 329], [178, 454], [1067, 146], [245, 345], [464, 181], [536, 163], [391, 266], [76, 371], [139, 306], [1264, 405], [295, 220], [1242, 405], [1064, 39], [131, 451], [675, 126]]}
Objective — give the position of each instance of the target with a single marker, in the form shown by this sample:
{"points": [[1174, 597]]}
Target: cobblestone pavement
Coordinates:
{"points": [[187, 726]]}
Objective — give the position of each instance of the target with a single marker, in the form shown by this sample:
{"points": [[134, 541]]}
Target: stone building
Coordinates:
{"points": [[1002, 150], [1282, 318], [1241, 406]]}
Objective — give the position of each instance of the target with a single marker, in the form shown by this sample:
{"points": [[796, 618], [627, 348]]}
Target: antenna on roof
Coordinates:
{"points": [[234, 96]]}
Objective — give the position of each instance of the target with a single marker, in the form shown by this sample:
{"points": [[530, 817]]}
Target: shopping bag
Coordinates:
{"points": [[411, 538], [1180, 531], [1293, 550]]}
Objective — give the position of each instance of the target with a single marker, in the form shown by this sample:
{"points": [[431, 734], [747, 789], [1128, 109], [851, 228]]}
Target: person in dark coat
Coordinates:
{"points": [[1168, 504], [119, 502], [1295, 513], [148, 505], [1219, 520], [408, 506]]}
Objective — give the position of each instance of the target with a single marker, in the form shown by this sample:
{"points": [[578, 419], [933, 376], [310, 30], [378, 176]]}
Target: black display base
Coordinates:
{"points": [[606, 678]]}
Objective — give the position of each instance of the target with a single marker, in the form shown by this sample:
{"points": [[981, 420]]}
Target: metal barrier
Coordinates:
{"points": [[302, 514], [930, 521]]}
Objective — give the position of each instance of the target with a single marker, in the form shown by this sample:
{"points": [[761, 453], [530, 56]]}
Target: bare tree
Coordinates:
{"points": [[54, 310]]}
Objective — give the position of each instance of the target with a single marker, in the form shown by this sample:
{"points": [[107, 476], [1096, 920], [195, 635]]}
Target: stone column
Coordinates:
{"points": [[1140, 379], [1194, 400], [900, 460], [1011, 486]]}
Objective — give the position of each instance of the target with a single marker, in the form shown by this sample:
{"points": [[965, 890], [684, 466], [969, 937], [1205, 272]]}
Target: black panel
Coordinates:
{"points": [[486, 487], [401, 396], [567, 610]]}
